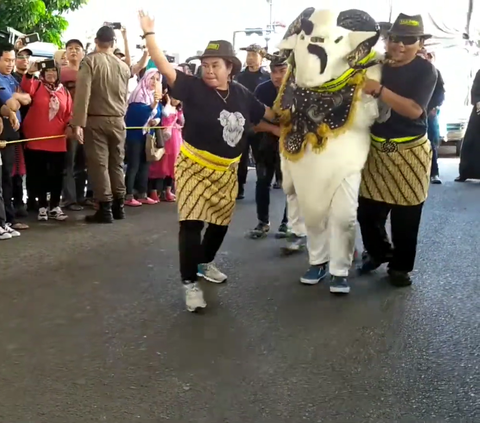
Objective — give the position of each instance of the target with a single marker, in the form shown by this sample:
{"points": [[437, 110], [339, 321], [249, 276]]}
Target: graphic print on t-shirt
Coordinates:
{"points": [[233, 127]]}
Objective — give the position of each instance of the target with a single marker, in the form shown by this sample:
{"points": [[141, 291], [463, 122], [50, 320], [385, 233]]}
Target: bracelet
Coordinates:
{"points": [[377, 95], [147, 34]]}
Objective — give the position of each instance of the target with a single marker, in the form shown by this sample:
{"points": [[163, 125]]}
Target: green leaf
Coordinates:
{"points": [[42, 16]]}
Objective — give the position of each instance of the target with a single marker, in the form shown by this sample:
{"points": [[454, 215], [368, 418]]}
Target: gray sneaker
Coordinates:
{"points": [[209, 272], [193, 297], [294, 244]]}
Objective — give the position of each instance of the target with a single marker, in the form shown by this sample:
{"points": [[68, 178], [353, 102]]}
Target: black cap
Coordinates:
{"points": [[118, 52], [74, 41], [106, 34]]}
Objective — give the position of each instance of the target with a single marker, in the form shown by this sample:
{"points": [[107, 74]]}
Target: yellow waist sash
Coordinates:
{"points": [[209, 160], [392, 145]]}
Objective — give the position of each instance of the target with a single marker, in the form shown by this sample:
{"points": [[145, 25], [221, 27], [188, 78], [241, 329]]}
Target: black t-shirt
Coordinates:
{"points": [[251, 80], [267, 93], [415, 81], [212, 124]]}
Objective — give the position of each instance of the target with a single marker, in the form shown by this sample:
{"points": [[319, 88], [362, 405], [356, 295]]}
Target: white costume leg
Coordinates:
{"points": [[342, 225], [317, 243], [295, 221]]}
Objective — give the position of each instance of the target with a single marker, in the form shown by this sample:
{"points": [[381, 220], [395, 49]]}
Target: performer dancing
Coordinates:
{"points": [[396, 177], [325, 121], [217, 113]]}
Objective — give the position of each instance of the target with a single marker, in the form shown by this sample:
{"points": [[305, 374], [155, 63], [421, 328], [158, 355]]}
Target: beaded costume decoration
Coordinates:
{"points": [[312, 115]]}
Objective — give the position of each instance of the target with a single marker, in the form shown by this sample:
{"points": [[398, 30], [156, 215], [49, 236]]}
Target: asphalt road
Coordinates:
{"points": [[93, 327]]}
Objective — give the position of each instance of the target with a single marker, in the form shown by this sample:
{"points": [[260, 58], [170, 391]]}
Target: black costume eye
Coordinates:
{"points": [[338, 39], [317, 40]]}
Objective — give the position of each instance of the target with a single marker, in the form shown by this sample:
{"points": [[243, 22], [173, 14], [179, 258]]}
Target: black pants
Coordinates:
{"points": [[3, 216], [46, 170], [17, 191], [193, 250], [405, 223], [137, 167], [75, 175], [8, 159], [267, 158], [160, 184], [252, 142]]}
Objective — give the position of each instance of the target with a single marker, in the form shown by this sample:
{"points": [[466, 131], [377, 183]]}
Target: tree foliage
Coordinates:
{"points": [[42, 16]]}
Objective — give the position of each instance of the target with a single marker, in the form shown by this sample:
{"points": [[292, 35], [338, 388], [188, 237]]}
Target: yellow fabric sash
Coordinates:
{"points": [[209, 160]]}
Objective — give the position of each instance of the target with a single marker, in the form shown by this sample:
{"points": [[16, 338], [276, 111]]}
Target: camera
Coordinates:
{"points": [[30, 38], [114, 25], [47, 64]]}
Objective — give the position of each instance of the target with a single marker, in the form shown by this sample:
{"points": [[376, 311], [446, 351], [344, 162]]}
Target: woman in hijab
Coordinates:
{"points": [[48, 115], [144, 110]]}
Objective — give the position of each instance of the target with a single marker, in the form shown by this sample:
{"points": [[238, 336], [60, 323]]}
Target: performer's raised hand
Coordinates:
{"points": [[147, 23]]}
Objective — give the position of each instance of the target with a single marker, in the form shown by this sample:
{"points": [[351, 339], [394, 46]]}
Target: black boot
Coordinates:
{"points": [[103, 214], [118, 208]]}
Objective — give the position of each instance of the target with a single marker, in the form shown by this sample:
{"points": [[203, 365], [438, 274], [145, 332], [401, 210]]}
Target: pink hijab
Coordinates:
{"points": [[142, 92]]}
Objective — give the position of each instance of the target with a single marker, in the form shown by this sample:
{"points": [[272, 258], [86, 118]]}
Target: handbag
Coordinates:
{"points": [[155, 145]]}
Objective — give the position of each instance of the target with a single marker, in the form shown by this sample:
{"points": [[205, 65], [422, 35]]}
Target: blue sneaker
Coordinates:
{"points": [[339, 285], [314, 274]]}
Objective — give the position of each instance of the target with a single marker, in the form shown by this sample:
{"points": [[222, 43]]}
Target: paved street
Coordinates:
{"points": [[93, 327]]}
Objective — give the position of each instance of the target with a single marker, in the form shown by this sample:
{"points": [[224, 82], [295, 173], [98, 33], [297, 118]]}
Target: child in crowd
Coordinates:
{"points": [[161, 173]]}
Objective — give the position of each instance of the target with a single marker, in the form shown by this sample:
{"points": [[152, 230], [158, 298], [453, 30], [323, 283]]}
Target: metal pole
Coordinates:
{"points": [[270, 22]]}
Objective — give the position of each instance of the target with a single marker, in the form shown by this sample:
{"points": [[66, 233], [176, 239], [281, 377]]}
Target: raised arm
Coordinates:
{"points": [[166, 69], [141, 64]]}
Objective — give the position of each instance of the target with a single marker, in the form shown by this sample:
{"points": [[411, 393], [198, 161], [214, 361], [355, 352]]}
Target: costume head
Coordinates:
{"points": [[325, 44]]}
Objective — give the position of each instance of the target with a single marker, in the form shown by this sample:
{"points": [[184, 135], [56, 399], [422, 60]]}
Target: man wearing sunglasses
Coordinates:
{"points": [[396, 176]]}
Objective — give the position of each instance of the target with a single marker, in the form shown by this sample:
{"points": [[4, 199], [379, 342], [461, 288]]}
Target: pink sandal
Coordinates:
{"points": [[148, 201], [133, 203]]}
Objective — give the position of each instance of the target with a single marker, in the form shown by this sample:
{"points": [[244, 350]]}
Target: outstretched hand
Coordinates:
{"points": [[147, 23]]}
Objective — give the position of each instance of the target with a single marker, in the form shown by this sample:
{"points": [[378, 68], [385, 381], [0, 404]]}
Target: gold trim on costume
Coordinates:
{"points": [[352, 77], [209, 160]]}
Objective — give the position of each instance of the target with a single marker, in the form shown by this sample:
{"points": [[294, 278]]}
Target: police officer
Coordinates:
{"points": [[98, 121]]}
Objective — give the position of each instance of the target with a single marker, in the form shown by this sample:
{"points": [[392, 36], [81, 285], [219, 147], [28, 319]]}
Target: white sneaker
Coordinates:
{"points": [[194, 297], [42, 214], [11, 231], [210, 272], [4, 234], [57, 214]]}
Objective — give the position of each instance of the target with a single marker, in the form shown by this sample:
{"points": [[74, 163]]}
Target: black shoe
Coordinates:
{"points": [[118, 208], [102, 215], [241, 193], [399, 279], [260, 231], [277, 185], [369, 264], [282, 231], [460, 179]]}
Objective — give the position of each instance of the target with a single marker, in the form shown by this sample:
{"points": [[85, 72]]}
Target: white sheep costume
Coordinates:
{"points": [[325, 119]]}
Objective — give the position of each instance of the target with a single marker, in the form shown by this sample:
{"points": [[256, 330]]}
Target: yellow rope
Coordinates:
{"points": [[3, 144]]}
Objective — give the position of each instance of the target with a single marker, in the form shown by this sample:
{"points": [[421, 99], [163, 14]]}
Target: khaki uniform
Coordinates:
{"points": [[99, 107]]}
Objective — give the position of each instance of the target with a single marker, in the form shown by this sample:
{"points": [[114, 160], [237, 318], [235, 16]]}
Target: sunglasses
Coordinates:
{"points": [[405, 40]]}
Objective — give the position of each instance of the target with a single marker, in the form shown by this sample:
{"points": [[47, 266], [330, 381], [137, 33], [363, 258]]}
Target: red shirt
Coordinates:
{"points": [[68, 77], [37, 124]]}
